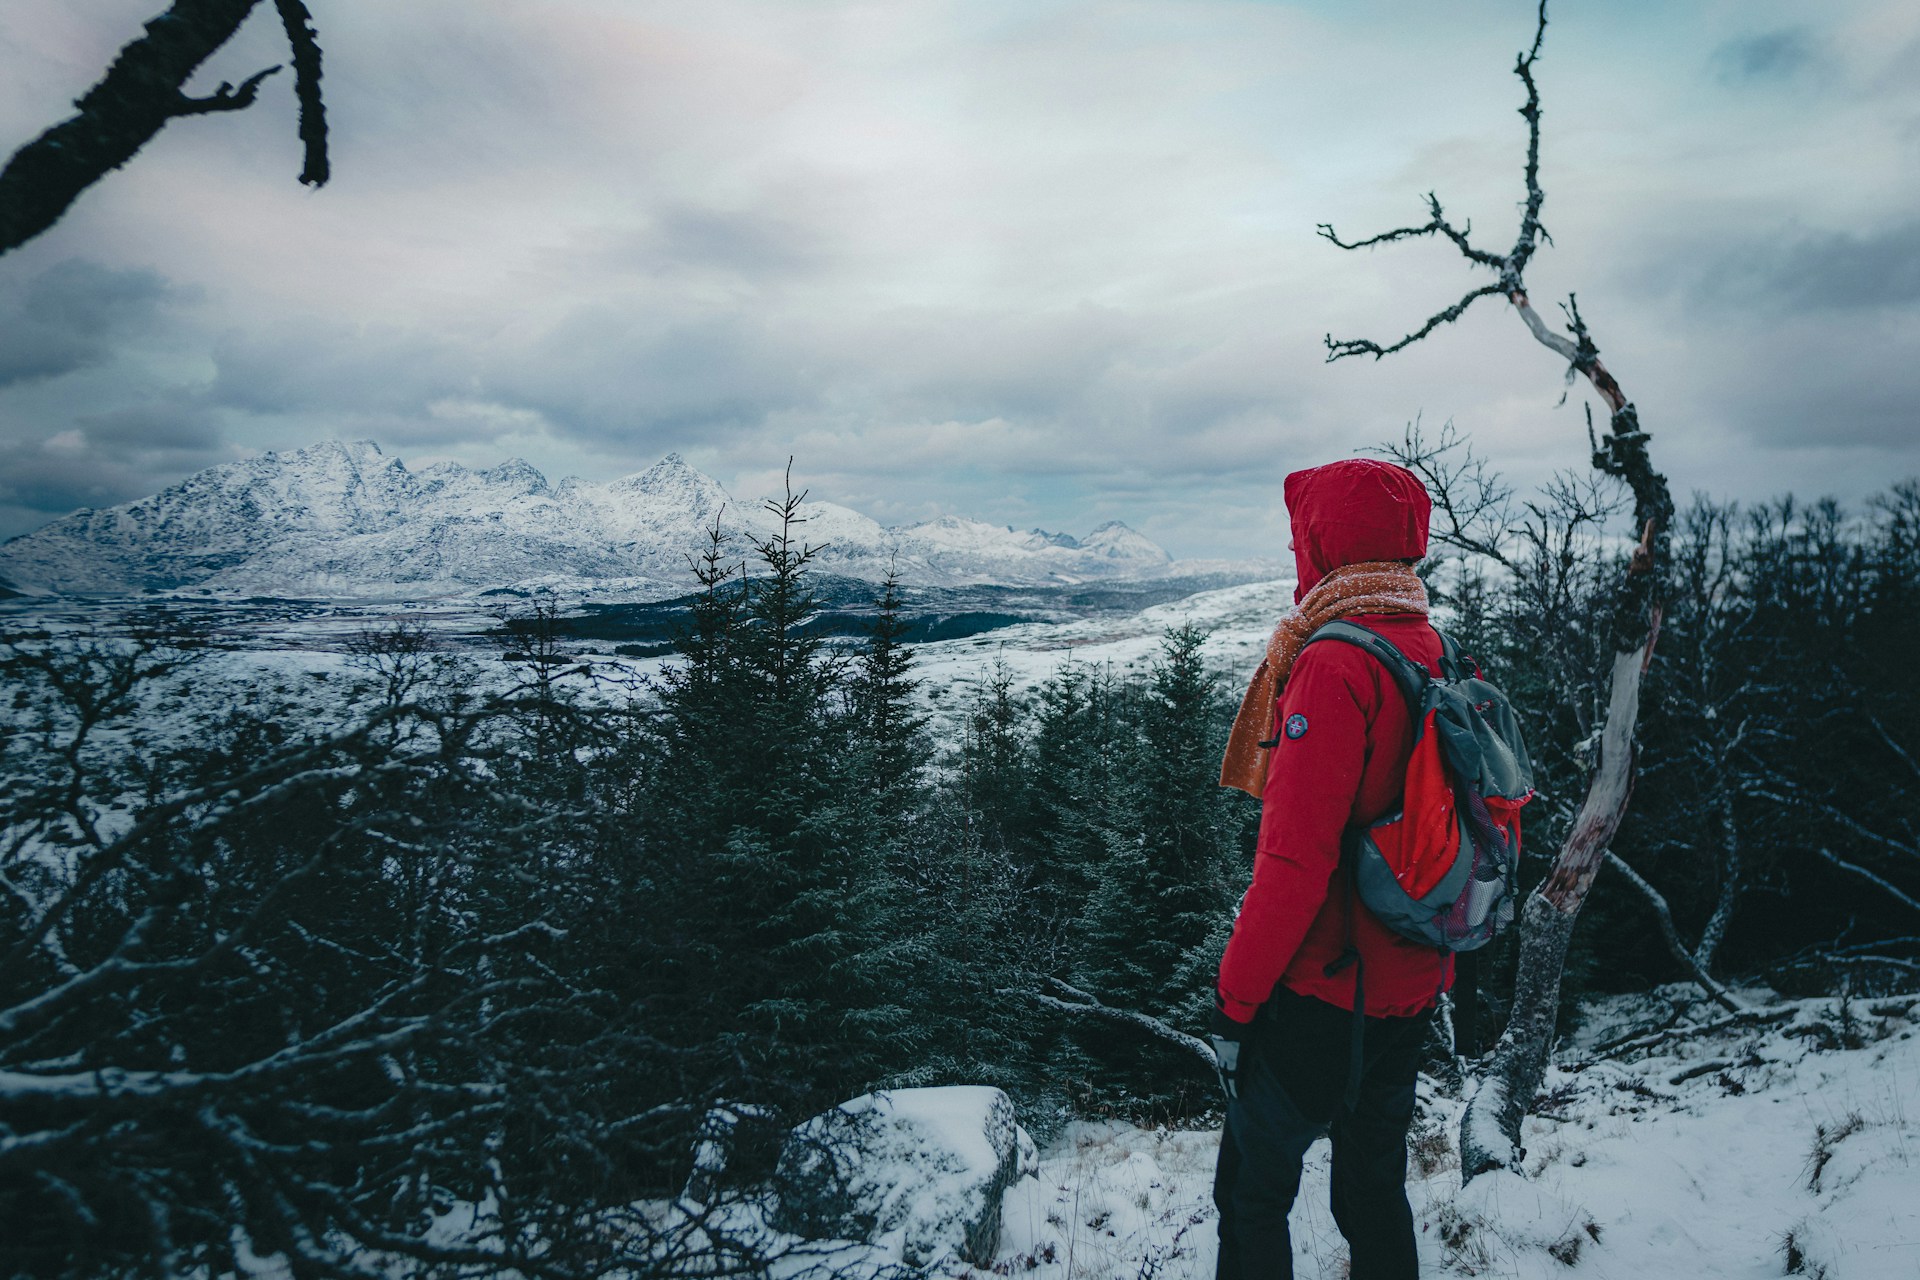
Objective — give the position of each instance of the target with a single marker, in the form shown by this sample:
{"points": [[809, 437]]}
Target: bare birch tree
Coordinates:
{"points": [[1490, 1129]]}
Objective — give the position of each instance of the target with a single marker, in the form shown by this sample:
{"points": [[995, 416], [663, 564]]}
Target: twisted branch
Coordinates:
{"points": [[142, 90], [1622, 453]]}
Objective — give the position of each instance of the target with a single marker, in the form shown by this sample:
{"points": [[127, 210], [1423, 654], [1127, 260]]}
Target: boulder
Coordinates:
{"points": [[920, 1172]]}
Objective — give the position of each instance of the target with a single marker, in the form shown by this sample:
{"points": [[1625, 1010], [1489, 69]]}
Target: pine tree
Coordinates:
{"points": [[1079, 784], [1165, 894], [992, 760], [891, 731], [761, 836]]}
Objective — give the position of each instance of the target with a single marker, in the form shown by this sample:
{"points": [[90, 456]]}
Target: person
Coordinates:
{"points": [[1323, 739]]}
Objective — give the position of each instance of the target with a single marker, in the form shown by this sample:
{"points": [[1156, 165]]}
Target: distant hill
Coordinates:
{"points": [[346, 520]]}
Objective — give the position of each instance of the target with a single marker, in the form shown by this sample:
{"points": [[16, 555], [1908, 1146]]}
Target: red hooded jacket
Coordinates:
{"points": [[1347, 768]]}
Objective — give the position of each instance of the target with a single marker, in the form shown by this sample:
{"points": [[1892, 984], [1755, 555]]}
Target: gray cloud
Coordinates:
{"points": [[54, 480], [1049, 265], [75, 314], [1843, 269], [949, 363], [752, 244], [613, 375], [1851, 387], [1794, 272], [153, 429], [85, 419], [1769, 57], [303, 363]]}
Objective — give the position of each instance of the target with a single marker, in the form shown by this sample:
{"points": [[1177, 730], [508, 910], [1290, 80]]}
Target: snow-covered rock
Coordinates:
{"points": [[918, 1171], [347, 520]]}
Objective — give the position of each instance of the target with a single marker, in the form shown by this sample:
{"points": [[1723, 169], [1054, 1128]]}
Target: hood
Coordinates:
{"points": [[1354, 511]]}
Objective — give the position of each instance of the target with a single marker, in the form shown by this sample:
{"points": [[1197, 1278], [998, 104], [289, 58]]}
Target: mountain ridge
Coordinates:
{"points": [[345, 519]]}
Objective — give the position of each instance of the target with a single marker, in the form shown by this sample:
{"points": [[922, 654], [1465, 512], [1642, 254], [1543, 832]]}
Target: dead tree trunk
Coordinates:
{"points": [[1490, 1129]]}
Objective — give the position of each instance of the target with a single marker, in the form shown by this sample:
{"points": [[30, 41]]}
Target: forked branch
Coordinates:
{"points": [[1670, 933], [226, 97], [1622, 451]]}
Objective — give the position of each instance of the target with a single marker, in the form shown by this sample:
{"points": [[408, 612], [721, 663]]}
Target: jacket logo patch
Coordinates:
{"points": [[1296, 725]]}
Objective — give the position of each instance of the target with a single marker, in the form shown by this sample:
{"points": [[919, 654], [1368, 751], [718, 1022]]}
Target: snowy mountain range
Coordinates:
{"points": [[346, 520]]}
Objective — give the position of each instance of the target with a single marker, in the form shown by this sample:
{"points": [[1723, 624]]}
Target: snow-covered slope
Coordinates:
{"points": [[1783, 1144], [345, 519]]}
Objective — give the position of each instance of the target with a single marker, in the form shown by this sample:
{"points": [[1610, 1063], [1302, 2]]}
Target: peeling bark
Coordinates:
{"points": [[1490, 1127]]}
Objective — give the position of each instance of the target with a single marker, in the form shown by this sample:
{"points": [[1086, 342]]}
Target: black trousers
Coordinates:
{"points": [[1293, 1084]]}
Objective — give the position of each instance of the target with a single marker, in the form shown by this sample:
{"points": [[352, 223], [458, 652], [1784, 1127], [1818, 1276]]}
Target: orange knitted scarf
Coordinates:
{"points": [[1375, 586]]}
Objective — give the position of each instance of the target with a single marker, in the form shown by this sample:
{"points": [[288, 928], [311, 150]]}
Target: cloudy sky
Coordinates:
{"points": [[1041, 261]]}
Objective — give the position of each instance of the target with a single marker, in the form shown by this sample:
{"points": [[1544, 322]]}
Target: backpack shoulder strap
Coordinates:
{"points": [[1408, 674], [1453, 663]]}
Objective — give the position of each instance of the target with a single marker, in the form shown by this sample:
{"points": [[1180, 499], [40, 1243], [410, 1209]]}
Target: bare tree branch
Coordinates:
{"points": [[1511, 267], [226, 97], [1475, 505], [1905, 757], [142, 90], [1899, 895], [1366, 346], [1667, 1035], [1671, 934], [1084, 1004], [306, 86], [1835, 813]]}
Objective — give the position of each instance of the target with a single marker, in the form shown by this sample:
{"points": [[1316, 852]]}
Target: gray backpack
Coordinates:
{"points": [[1443, 868]]}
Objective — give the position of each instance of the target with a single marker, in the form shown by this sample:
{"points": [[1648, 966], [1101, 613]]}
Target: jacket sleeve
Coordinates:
{"points": [[1312, 782]]}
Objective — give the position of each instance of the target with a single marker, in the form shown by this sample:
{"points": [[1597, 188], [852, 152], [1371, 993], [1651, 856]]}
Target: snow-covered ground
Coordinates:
{"points": [[1759, 1151], [1669, 1142], [294, 654], [1238, 621]]}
